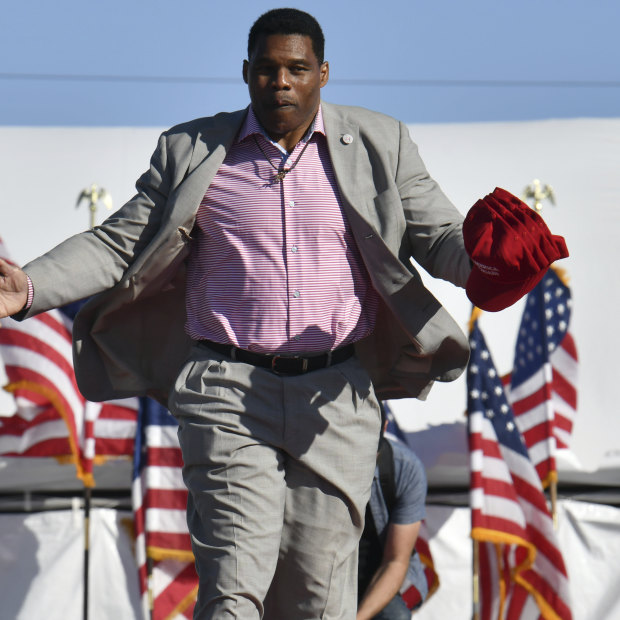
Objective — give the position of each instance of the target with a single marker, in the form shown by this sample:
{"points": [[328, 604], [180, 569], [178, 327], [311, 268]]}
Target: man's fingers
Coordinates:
{"points": [[13, 289], [12, 278], [6, 266]]}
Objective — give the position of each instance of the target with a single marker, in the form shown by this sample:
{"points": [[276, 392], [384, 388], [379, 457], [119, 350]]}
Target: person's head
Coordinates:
{"points": [[288, 21], [285, 72]]}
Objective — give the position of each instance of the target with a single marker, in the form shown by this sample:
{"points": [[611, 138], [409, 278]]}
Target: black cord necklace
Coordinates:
{"points": [[281, 172]]}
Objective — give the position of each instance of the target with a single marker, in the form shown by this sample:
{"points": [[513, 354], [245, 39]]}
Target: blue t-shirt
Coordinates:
{"points": [[409, 505]]}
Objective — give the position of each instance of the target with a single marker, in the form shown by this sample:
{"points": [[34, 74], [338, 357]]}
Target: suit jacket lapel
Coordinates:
{"points": [[218, 135], [212, 143], [343, 143]]}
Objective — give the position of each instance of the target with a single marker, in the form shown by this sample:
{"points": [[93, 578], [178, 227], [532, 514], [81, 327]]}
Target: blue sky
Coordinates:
{"points": [[155, 63]]}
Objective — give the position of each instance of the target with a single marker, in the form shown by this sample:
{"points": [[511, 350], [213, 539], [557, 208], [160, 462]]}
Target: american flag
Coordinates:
{"points": [[410, 593], [519, 552], [167, 576], [113, 428], [543, 390], [52, 418]]}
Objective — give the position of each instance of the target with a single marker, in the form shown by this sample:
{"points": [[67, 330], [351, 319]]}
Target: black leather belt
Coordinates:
{"points": [[282, 364]]}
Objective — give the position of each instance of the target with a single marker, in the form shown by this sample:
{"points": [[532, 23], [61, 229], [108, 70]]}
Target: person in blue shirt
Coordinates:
{"points": [[388, 564]]}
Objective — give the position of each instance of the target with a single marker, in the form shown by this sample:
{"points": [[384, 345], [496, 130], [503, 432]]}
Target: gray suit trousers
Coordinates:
{"points": [[279, 472]]}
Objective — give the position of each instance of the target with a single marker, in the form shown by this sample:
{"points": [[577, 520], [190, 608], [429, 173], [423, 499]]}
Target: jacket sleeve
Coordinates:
{"points": [[96, 259], [434, 225]]}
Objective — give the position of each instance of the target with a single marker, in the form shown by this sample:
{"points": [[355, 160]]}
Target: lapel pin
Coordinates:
{"points": [[347, 138]]}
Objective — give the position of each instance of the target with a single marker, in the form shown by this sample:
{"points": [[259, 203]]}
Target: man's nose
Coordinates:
{"points": [[281, 79]]}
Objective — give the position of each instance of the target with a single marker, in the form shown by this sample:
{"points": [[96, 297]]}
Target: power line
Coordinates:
{"points": [[484, 83], [162, 79], [73, 77]]}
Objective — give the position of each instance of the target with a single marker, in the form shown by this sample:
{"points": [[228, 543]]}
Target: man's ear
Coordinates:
{"points": [[246, 67], [324, 74]]}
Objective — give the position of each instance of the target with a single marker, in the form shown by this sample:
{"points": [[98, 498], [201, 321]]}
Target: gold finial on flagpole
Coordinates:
{"points": [[94, 194], [538, 193]]}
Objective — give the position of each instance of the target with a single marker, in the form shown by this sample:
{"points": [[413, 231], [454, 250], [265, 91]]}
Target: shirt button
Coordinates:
{"points": [[296, 337], [291, 203], [296, 293], [294, 249]]}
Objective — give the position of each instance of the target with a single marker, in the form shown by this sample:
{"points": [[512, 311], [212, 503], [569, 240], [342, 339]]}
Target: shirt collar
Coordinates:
{"points": [[252, 126]]}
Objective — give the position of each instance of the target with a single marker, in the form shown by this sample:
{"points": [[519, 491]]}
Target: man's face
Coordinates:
{"points": [[284, 78]]}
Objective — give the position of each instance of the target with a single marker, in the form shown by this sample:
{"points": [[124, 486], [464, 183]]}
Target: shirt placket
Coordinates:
{"points": [[294, 252]]}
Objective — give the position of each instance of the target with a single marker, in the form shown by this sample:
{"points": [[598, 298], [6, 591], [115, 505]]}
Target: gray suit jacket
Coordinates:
{"points": [[129, 338]]}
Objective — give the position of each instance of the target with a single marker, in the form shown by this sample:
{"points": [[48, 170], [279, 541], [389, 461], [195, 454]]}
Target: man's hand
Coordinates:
{"points": [[13, 289]]}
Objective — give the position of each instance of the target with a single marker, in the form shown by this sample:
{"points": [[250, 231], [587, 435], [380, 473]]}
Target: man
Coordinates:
{"points": [[259, 282], [393, 517]]}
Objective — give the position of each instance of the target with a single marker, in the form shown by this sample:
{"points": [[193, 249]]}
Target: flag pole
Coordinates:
{"points": [[476, 580], [149, 582], [537, 193], [93, 194], [553, 493], [476, 313]]}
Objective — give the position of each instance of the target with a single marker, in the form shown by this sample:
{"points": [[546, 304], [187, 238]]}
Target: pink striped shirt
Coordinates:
{"points": [[274, 267]]}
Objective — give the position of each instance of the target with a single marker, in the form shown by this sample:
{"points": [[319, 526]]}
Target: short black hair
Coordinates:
{"points": [[288, 21]]}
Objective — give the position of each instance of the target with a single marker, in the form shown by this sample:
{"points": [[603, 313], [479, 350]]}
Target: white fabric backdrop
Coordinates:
{"points": [[41, 564], [589, 537], [578, 157]]}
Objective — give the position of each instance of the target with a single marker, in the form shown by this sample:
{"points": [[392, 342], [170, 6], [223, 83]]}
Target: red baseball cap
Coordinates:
{"points": [[511, 249]]}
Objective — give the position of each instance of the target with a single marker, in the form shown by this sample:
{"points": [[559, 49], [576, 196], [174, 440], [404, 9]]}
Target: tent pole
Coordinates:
{"points": [[87, 497]]}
